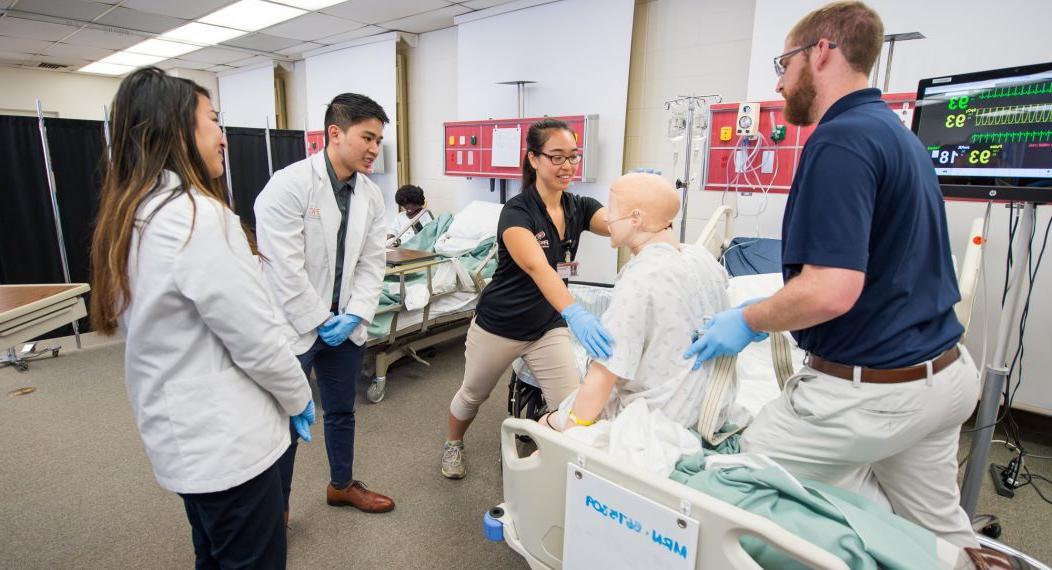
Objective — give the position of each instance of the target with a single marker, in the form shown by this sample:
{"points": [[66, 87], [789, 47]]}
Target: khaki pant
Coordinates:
{"points": [[893, 443], [488, 356]]}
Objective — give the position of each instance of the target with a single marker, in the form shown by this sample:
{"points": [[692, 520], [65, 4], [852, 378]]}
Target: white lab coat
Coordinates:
{"points": [[209, 371], [297, 220]]}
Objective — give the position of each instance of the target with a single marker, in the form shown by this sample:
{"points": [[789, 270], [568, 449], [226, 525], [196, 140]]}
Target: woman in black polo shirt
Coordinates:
{"points": [[525, 310]]}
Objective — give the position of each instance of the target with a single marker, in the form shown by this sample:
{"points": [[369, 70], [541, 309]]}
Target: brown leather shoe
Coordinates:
{"points": [[359, 497]]}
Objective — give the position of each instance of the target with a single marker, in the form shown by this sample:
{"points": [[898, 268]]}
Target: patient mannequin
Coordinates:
{"points": [[661, 297]]}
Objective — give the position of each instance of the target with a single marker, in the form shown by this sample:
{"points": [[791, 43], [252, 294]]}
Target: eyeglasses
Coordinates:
{"points": [[558, 160], [782, 61]]}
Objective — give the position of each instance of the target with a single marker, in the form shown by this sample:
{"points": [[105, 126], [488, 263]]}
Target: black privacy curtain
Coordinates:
{"points": [[248, 163], [29, 251]]}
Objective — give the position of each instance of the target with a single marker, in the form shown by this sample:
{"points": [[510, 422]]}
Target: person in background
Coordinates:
{"points": [[208, 368], [410, 200], [526, 308]]}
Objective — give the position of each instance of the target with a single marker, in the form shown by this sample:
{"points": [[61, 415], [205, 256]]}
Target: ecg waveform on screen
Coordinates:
{"points": [[1013, 115], [1016, 90], [1019, 136]]}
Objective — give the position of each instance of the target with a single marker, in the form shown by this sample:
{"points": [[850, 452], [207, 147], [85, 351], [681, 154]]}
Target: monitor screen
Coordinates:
{"points": [[990, 124]]}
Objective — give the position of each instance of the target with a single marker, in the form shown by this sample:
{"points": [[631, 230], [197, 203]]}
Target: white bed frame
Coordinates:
{"points": [[434, 328]]}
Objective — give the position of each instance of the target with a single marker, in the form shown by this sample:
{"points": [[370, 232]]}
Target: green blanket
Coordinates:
{"points": [[859, 532], [425, 240]]}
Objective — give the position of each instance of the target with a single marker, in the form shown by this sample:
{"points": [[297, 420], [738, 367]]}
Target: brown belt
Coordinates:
{"points": [[887, 376]]}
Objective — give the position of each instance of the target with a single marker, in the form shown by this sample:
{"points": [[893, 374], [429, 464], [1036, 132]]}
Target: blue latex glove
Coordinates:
{"points": [[589, 331], [303, 421], [338, 328], [726, 334]]}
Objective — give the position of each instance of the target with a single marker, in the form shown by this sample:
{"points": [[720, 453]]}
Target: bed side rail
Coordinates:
{"points": [[535, 490]]}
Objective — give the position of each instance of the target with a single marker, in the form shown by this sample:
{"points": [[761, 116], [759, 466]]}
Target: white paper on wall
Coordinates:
{"points": [[507, 147]]}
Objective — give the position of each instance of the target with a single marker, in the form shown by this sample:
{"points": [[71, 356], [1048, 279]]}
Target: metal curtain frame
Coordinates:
{"points": [[266, 134], [226, 160], [54, 207]]}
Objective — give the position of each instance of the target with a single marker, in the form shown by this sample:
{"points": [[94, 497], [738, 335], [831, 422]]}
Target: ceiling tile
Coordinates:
{"points": [[313, 26], [23, 45], [86, 52], [297, 50], [99, 38], [80, 10], [483, 4], [187, 9], [14, 57], [136, 20], [375, 11], [21, 28], [214, 55], [353, 35], [73, 62], [176, 62], [428, 21], [261, 42], [257, 60]]}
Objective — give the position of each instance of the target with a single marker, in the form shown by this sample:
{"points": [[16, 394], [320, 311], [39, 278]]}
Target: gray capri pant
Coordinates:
{"points": [[488, 356]]}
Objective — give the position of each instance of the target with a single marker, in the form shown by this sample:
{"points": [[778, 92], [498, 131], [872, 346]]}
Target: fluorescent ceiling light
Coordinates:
{"points": [[251, 15], [162, 48], [204, 34], [309, 4], [106, 68], [132, 59]]}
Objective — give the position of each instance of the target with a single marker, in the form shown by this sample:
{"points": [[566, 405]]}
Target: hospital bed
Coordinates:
{"points": [[430, 301], [30, 311], [533, 518]]}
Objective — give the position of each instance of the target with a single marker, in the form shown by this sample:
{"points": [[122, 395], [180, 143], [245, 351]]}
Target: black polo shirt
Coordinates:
{"points": [[865, 197], [512, 306]]}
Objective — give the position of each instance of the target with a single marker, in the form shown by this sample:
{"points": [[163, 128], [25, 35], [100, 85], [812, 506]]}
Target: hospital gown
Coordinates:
{"points": [[661, 297]]}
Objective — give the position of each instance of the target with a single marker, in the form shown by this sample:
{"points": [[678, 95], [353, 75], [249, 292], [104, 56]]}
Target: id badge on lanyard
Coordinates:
{"points": [[566, 269]]}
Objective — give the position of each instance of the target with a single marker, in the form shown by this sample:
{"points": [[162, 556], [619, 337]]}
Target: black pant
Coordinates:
{"points": [[241, 527], [336, 369]]}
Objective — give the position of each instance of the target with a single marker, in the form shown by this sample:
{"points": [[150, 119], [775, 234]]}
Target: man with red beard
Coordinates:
{"points": [[869, 292]]}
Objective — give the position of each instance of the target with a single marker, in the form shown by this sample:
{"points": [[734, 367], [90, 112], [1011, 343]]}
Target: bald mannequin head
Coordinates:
{"points": [[641, 208]]}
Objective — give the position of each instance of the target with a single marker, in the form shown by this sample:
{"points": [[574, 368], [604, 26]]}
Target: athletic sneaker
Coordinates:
{"points": [[453, 460]]}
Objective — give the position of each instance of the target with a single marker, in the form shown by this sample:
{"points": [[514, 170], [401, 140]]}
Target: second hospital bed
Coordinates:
{"points": [[533, 517], [431, 300]]}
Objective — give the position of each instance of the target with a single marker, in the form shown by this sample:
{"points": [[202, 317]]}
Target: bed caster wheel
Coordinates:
{"points": [[377, 390], [21, 366], [987, 525], [54, 352]]}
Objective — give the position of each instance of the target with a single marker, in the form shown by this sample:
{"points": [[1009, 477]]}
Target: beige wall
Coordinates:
{"points": [[70, 95], [432, 73], [683, 47]]}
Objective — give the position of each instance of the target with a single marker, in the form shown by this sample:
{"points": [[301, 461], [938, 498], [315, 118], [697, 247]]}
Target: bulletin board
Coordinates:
{"points": [[778, 176], [470, 150]]}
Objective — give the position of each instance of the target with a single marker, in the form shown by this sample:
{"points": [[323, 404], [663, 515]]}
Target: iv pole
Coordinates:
{"points": [[695, 104]]}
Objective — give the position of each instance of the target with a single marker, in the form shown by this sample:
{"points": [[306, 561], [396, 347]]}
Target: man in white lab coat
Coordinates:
{"points": [[320, 224]]}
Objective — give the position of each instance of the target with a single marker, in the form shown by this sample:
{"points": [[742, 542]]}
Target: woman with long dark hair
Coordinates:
{"points": [[526, 308], [209, 371]]}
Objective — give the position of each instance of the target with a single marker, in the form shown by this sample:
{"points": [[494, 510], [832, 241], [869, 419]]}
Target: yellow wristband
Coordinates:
{"points": [[577, 420]]}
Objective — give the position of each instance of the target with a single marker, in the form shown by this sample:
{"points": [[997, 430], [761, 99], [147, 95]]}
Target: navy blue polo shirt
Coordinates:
{"points": [[865, 197]]}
